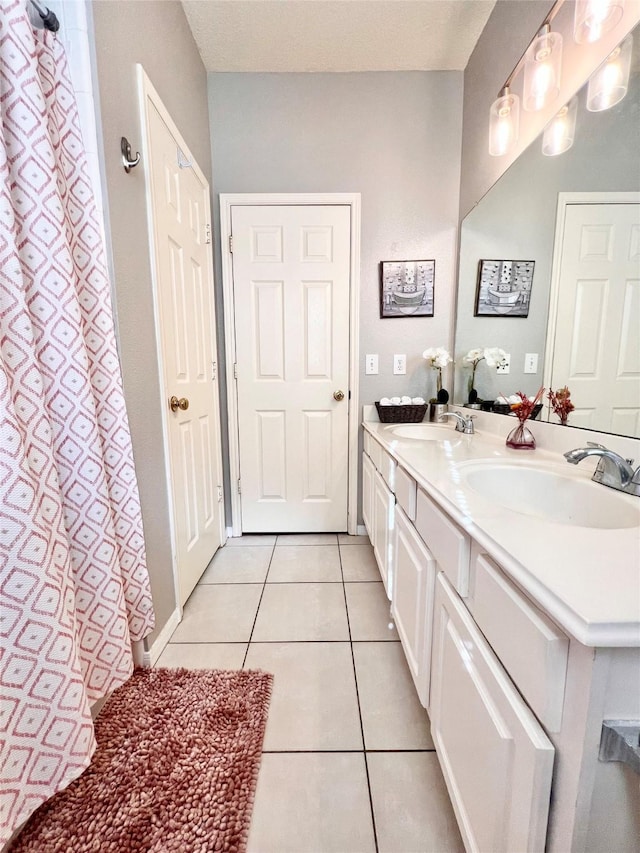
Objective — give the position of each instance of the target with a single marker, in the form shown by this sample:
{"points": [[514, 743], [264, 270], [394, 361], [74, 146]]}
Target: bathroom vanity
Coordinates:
{"points": [[514, 582]]}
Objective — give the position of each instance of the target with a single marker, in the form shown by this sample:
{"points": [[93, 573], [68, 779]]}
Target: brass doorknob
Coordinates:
{"points": [[175, 404], [338, 395]]}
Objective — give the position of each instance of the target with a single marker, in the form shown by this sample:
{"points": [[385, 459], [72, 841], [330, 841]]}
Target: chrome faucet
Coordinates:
{"points": [[463, 424], [613, 470]]}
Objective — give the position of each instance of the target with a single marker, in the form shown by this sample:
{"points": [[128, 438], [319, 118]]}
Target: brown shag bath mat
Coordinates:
{"points": [[175, 769]]}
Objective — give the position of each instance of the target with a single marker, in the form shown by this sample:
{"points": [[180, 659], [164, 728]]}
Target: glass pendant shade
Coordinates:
{"points": [[560, 132], [542, 68], [594, 18], [608, 85], [504, 120]]}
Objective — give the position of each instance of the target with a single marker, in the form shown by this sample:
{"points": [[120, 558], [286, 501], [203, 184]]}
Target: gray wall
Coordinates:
{"points": [[155, 34], [395, 138]]}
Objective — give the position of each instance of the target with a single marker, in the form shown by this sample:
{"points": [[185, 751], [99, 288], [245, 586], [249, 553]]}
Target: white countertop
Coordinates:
{"points": [[586, 579]]}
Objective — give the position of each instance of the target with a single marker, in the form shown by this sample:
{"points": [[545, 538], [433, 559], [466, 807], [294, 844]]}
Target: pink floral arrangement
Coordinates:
{"points": [[523, 409], [561, 403]]}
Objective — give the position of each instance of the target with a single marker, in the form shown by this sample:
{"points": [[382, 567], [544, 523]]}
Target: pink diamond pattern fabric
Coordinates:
{"points": [[74, 587]]}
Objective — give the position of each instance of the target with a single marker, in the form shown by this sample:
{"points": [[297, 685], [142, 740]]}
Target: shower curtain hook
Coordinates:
{"points": [[127, 162]]}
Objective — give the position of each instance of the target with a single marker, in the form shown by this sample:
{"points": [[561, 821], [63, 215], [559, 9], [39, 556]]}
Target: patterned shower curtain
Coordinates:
{"points": [[74, 588]]}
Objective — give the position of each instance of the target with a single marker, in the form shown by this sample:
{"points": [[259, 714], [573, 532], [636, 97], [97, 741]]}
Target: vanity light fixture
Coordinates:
{"points": [[609, 83], [594, 18], [542, 69], [504, 121], [541, 61], [559, 133]]}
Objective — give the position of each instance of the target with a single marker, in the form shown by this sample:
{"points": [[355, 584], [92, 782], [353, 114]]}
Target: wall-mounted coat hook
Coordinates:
{"points": [[127, 162]]}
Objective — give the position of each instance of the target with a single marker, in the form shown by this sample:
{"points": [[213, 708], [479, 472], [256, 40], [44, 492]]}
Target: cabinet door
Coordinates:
{"points": [[496, 760], [367, 495], [383, 520], [413, 590]]}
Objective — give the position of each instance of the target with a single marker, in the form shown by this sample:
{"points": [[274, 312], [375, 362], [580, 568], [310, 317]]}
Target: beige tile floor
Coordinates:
{"points": [[348, 762]]}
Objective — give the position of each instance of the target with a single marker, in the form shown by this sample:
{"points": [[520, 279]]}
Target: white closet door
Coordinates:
{"points": [[291, 269]]}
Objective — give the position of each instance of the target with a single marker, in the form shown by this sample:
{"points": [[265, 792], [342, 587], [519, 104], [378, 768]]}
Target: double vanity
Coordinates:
{"points": [[514, 583]]}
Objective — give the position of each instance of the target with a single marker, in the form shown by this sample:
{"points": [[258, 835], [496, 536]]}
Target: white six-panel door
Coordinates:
{"points": [[597, 350], [184, 283], [291, 271]]}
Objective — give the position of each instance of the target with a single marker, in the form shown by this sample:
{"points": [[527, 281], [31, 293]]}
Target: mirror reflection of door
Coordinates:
{"points": [[596, 350]]}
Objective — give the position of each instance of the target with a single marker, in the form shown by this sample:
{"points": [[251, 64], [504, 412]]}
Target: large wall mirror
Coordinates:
{"points": [[573, 219]]}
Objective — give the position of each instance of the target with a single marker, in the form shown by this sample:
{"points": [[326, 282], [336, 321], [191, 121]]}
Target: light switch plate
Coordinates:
{"points": [[399, 364], [371, 363], [531, 362]]}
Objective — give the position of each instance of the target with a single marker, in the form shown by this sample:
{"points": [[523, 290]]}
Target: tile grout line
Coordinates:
{"points": [[355, 679], [255, 618], [265, 642], [341, 751]]}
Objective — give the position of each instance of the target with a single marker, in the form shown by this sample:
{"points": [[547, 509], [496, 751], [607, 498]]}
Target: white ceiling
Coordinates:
{"points": [[336, 35]]}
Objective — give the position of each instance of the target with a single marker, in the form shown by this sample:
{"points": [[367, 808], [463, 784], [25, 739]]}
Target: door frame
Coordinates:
{"points": [[147, 92], [353, 201], [564, 201]]}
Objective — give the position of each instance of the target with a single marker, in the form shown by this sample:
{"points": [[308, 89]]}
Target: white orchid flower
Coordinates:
{"points": [[438, 356], [474, 356], [494, 356]]}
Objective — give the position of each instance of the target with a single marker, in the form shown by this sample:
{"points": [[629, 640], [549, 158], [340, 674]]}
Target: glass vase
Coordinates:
{"points": [[521, 438]]}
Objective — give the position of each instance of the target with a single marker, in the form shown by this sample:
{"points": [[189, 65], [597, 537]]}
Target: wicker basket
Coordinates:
{"points": [[401, 414]]}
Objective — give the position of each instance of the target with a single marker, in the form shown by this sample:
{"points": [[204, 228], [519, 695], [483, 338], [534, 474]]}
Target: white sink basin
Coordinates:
{"points": [[424, 432], [548, 493]]}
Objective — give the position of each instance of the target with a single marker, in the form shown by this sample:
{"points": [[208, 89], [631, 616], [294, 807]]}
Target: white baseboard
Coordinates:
{"points": [[362, 530], [151, 655]]}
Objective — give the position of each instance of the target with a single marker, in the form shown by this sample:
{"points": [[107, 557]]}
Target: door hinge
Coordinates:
{"points": [[239, 487], [235, 370], [214, 370], [207, 232], [231, 243], [219, 494]]}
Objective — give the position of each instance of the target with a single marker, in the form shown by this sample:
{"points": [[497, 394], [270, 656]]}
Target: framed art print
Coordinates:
{"points": [[406, 288], [504, 288]]}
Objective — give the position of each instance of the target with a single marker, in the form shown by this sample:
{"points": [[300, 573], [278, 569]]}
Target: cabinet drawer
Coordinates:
{"points": [[383, 512], [449, 545], [388, 468], [368, 472], [530, 646], [366, 443], [375, 453], [412, 601], [495, 757], [406, 493]]}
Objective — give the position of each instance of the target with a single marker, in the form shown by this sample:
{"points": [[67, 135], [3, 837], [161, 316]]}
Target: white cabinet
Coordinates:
{"points": [[495, 758], [378, 506], [412, 601], [450, 545], [367, 494], [383, 524], [532, 649], [512, 698]]}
